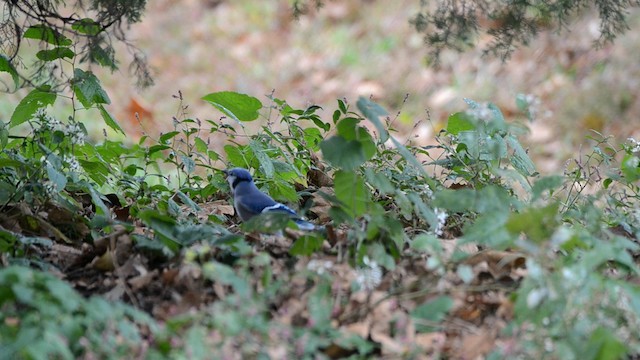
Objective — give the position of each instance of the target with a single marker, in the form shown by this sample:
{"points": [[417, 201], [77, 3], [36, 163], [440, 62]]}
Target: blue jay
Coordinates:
{"points": [[249, 201]]}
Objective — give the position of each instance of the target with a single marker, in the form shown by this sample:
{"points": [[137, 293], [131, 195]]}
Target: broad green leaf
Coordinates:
{"points": [[109, 120], [459, 122], [87, 88], [7, 66], [411, 159], [306, 245], [56, 177], [373, 112], [352, 192], [604, 345], [55, 53], [28, 106], [240, 107], [235, 156], [200, 145], [546, 183], [189, 164], [520, 160], [341, 153], [630, 168], [164, 138], [87, 26], [187, 201], [163, 226], [431, 312], [537, 223], [265, 161], [45, 33]]}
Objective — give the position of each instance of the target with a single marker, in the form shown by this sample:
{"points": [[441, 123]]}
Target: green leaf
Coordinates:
{"points": [[306, 245], [163, 226], [87, 26], [431, 312], [240, 107], [55, 53], [235, 156], [373, 112], [187, 201], [520, 160], [56, 177], [546, 183], [45, 33], [345, 154], [630, 168], [537, 223], [109, 120], [459, 122], [7, 66], [87, 88], [352, 192], [265, 161], [412, 160], [604, 345], [28, 106], [200, 145], [164, 138]]}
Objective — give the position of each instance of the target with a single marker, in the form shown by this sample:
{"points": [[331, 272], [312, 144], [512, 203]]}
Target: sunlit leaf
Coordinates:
{"points": [[240, 107]]}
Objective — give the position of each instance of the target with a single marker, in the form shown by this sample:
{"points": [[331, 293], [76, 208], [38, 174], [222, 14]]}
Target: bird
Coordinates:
{"points": [[249, 201]]}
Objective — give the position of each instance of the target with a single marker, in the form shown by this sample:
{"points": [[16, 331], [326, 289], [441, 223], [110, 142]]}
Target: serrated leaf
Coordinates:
{"points": [[373, 112], [546, 183], [45, 33], [55, 53], [7, 66], [87, 88], [240, 107], [87, 26], [28, 106], [109, 120], [352, 192]]}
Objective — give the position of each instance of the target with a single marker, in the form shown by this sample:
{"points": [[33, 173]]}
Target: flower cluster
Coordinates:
{"points": [[442, 216], [635, 145], [47, 121], [369, 276], [319, 267], [75, 133], [72, 162]]}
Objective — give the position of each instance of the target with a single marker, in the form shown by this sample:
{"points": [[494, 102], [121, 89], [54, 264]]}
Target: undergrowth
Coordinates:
{"points": [[409, 230]]}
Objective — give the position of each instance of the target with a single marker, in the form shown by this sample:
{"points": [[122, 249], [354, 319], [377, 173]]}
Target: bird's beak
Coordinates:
{"points": [[225, 172]]}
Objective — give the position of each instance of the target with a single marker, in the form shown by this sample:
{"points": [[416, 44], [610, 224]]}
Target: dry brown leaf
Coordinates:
{"points": [[476, 345]]}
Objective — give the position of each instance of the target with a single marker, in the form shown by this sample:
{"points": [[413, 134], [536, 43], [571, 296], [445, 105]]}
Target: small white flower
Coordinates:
{"points": [[50, 188], [427, 191], [481, 112], [442, 216], [76, 134], [319, 267], [635, 143], [72, 162], [370, 276]]}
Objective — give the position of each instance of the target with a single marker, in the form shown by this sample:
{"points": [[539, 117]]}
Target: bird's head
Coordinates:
{"points": [[236, 176]]}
